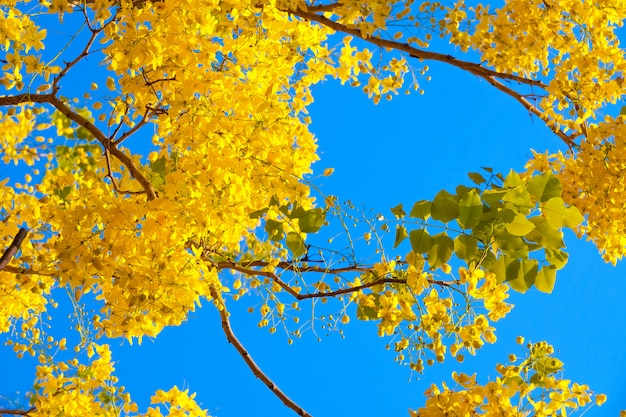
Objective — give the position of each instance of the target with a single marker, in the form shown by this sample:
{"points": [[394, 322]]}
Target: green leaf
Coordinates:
{"points": [[521, 274], [493, 197], [401, 234], [274, 230], [445, 207], [470, 210], [498, 267], [558, 215], [546, 278], [547, 365], [421, 210], [513, 180], [516, 223], [296, 244], [159, 165], [465, 247], [544, 186], [63, 193], [557, 257], [441, 252], [366, 313], [544, 234], [421, 241], [297, 212], [398, 211], [513, 246], [516, 192], [258, 213], [476, 178], [312, 221]]}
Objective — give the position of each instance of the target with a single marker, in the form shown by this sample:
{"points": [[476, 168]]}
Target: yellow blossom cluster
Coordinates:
{"points": [[527, 387], [70, 388], [555, 39], [592, 180], [74, 389], [433, 321]]}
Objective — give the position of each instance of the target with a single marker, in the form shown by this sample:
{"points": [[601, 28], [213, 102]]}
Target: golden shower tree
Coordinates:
{"points": [[169, 156]]}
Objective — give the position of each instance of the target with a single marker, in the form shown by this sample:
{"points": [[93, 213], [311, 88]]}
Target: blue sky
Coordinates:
{"points": [[396, 152]]}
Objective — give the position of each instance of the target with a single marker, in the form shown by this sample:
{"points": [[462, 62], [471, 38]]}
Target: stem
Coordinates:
{"points": [[232, 339]]}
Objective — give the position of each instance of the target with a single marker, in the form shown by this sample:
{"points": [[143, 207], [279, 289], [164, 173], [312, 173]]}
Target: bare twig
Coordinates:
{"points": [[232, 339], [69, 65], [139, 125], [13, 248], [91, 128]]}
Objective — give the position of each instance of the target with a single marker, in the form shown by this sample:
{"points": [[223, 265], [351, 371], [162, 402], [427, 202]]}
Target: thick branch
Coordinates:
{"points": [[473, 68], [13, 248], [80, 120], [232, 339], [16, 412]]}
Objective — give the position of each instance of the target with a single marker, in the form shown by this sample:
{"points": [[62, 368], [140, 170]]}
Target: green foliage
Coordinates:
{"points": [[511, 227]]}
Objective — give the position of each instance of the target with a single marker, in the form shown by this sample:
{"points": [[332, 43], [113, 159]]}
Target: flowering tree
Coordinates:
{"points": [[178, 172]]}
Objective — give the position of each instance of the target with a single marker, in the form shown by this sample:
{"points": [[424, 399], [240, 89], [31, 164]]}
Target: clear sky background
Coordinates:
{"points": [[396, 152]]}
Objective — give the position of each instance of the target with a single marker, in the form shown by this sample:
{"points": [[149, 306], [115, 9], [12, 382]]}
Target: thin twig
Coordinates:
{"points": [[232, 339], [569, 140], [139, 125], [69, 65], [13, 248]]}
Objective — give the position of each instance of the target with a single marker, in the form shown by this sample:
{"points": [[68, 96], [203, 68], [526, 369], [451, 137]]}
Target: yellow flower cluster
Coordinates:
{"points": [[433, 322], [592, 180], [521, 389], [73, 389], [553, 38]]}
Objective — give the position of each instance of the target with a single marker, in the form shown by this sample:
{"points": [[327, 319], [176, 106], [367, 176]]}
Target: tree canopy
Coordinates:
{"points": [[168, 153]]}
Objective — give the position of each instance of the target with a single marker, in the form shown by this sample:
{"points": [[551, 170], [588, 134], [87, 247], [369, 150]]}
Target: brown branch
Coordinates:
{"points": [[569, 140], [91, 128], [471, 67], [139, 125], [298, 296], [69, 65], [16, 412], [232, 339], [13, 248]]}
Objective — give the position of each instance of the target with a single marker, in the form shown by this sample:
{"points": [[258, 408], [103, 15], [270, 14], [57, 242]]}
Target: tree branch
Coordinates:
{"points": [[473, 68], [80, 120], [232, 339], [342, 291], [532, 109], [13, 248], [16, 412]]}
